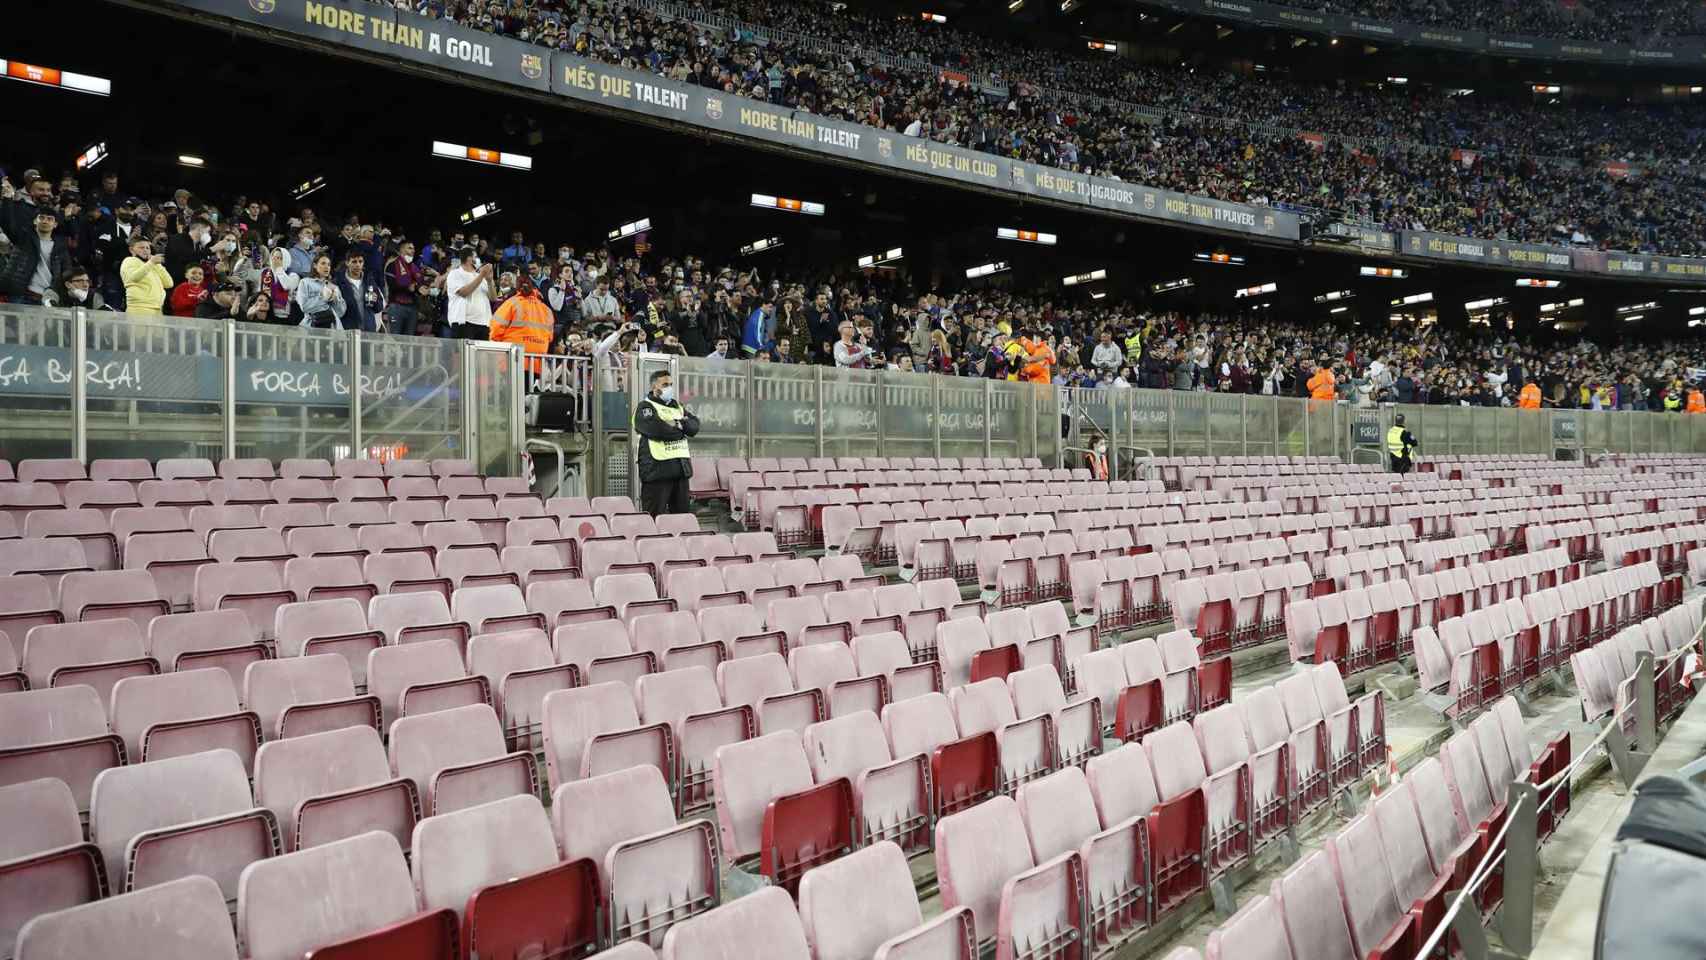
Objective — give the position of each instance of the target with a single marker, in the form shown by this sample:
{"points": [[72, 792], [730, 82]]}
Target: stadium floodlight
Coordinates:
{"points": [[760, 246], [1220, 259], [1485, 304], [1104, 46], [1634, 317], [1538, 282], [53, 77], [1385, 273], [1697, 311], [1332, 295], [307, 187], [1638, 307], [1561, 305], [95, 154], [1168, 286], [629, 229], [786, 205], [933, 17], [881, 259], [190, 160], [1413, 299], [987, 269], [482, 155], [1098, 294], [1259, 290], [1014, 6], [1398, 80], [1026, 236], [1339, 310], [1547, 88], [1079, 278], [480, 212]]}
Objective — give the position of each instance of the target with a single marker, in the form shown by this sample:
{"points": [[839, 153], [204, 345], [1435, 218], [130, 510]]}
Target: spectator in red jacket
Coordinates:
{"points": [[189, 294]]}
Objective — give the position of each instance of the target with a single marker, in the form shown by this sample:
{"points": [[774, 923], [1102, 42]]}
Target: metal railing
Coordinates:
{"points": [[158, 386], [1516, 846]]}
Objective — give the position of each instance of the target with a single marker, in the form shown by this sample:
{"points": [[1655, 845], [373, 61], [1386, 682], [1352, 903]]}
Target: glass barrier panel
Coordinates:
{"points": [[1190, 424], [785, 411], [962, 416], [292, 392], [1047, 412], [908, 400], [852, 414], [716, 392], [1148, 415], [411, 397], [493, 395], [156, 387], [1290, 425], [1009, 419], [35, 382], [1261, 425], [1324, 439], [1228, 427]]}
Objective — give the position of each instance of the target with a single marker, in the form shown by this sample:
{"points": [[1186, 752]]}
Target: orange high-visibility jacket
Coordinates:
{"points": [[524, 319], [1696, 402], [1529, 399], [1323, 386]]}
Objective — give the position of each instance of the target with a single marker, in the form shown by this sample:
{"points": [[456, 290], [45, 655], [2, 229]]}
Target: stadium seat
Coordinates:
{"points": [[184, 918], [166, 819], [319, 900]]}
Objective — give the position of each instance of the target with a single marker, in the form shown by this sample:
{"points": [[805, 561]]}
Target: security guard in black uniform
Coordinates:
{"points": [[1399, 443], [664, 424]]}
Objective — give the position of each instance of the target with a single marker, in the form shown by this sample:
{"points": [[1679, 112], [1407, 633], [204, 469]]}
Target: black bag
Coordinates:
{"points": [[1650, 906]]}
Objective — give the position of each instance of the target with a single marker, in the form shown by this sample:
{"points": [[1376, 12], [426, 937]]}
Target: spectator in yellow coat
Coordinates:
{"points": [[145, 278]]}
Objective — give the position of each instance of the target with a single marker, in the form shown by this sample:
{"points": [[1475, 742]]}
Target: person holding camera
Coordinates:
{"points": [[664, 426], [145, 278]]}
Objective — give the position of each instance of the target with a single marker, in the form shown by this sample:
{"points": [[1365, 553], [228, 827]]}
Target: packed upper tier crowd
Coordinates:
{"points": [[1602, 21], [1399, 156], [98, 247]]}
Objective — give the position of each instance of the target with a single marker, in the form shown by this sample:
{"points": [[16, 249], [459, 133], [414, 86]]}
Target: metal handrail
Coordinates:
{"points": [[1496, 852]]}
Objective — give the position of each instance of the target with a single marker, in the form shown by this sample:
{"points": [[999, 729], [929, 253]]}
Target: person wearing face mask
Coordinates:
{"points": [[664, 426], [1097, 459], [75, 290], [192, 246], [301, 255]]}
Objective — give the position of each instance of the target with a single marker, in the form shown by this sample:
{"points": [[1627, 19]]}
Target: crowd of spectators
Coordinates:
{"points": [[1401, 156], [1601, 21], [96, 246]]}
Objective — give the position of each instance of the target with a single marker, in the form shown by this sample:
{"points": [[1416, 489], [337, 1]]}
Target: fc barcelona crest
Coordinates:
{"points": [[714, 107], [532, 66], [263, 6], [885, 148]]}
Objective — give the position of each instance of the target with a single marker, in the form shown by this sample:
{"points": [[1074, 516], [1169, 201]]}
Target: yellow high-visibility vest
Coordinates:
{"points": [[666, 449], [1395, 441]]}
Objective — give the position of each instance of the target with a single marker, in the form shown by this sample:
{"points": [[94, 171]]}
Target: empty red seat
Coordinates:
{"points": [[328, 786], [458, 759]]}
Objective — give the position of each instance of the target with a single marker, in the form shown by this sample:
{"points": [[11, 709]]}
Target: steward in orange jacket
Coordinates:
{"points": [[1323, 386], [1529, 399], [1696, 402], [524, 319]]}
